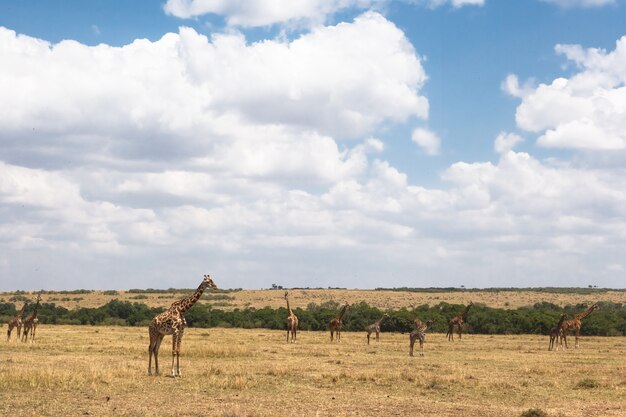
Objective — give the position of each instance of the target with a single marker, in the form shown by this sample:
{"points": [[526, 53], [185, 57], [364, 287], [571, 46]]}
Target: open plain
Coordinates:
{"points": [[100, 371], [382, 299]]}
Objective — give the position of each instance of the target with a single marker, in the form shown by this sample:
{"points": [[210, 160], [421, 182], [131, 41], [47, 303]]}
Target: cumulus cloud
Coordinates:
{"points": [[506, 141], [159, 161], [427, 140], [584, 111], [251, 13], [185, 96]]}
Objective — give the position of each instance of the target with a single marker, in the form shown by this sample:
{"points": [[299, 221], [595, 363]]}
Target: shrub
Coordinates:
{"points": [[534, 412], [587, 383]]}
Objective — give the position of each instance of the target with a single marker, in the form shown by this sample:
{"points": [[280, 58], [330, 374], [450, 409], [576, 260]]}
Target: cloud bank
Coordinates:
{"points": [[155, 162]]}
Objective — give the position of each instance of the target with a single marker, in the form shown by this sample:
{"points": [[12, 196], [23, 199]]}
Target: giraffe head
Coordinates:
{"points": [[286, 294], [429, 323], [595, 306], [207, 280]]}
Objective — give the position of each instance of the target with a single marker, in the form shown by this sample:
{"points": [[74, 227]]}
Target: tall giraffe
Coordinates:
{"points": [[172, 321], [292, 321], [31, 323], [16, 322], [458, 322], [335, 324], [375, 328], [555, 333], [419, 334], [575, 323]]}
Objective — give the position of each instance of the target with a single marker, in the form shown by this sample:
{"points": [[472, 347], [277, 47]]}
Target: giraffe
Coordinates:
{"points": [[458, 322], [172, 321], [575, 323], [16, 322], [419, 334], [555, 333], [335, 324], [31, 323], [292, 321], [375, 328]]}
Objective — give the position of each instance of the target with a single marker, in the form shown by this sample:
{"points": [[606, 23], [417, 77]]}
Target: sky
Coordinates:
{"points": [[317, 143]]}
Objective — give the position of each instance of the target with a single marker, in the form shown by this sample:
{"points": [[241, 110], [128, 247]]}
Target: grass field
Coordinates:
{"points": [[81, 370], [301, 298]]}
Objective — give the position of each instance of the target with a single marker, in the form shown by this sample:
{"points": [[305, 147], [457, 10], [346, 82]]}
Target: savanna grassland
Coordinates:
{"points": [[382, 299], [85, 370]]}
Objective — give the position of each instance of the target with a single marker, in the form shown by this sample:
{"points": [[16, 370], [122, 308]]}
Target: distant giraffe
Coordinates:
{"points": [[457, 322], [575, 323], [16, 322], [335, 324], [419, 334], [375, 328], [30, 324], [172, 321], [292, 322], [555, 333]]}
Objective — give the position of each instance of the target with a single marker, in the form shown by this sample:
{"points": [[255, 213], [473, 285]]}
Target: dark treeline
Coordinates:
{"points": [[609, 320]]}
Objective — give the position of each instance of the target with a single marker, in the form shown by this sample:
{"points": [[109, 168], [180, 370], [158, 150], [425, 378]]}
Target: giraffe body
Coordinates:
{"points": [[30, 324], [17, 322], [457, 322], [419, 334], [172, 322], [556, 333], [375, 328], [292, 322], [574, 324], [335, 324]]}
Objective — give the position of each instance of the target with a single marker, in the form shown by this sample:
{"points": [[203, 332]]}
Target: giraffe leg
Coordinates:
{"points": [[151, 346], [377, 336], [287, 335], [156, 353], [331, 335], [368, 338], [411, 343], [421, 347], [178, 342], [174, 342]]}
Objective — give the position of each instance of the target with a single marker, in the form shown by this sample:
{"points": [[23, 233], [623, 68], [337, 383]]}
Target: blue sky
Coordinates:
{"points": [[284, 151]]}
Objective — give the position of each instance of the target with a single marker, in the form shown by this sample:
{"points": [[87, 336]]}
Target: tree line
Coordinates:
{"points": [[609, 320]]}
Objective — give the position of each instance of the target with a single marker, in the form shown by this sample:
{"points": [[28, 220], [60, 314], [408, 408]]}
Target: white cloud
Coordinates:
{"points": [[251, 13], [153, 163], [188, 97], [580, 3], [585, 111], [506, 141], [427, 140]]}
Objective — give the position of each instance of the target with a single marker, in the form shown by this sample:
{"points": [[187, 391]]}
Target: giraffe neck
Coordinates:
{"points": [[186, 303], [342, 312], [380, 320], [289, 308], [34, 315], [20, 314], [464, 313], [560, 323], [585, 313]]}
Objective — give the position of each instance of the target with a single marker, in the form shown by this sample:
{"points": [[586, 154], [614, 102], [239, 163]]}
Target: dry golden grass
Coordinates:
{"points": [[301, 298], [101, 371]]}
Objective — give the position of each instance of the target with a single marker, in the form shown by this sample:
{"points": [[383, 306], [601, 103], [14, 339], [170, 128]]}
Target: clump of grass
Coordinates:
{"points": [[587, 383], [534, 412]]}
